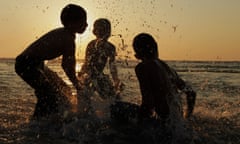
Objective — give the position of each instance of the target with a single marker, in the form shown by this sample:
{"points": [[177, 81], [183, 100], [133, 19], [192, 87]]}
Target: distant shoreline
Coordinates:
{"points": [[132, 60]]}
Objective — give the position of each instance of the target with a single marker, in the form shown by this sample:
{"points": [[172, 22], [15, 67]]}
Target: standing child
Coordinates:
{"points": [[58, 42], [99, 53]]}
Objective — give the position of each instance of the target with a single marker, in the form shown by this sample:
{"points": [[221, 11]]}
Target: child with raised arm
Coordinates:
{"points": [[58, 42], [99, 53]]}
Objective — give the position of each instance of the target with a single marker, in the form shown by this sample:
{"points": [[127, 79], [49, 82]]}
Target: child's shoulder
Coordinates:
{"points": [[92, 44], [58, 37], [146, 65], [111, 47], [106, 45], [56, 30], [151, 65], [60, 32]]}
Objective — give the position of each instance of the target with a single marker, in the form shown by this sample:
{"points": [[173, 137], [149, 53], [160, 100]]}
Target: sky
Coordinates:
{"points": [[183, 29]]}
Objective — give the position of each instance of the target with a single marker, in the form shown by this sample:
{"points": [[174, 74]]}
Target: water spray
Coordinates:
{"points": [[122, 41]]}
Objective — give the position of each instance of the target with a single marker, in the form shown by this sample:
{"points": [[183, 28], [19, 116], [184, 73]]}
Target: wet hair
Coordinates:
{"points": [[102, 28], [72, 13], [145, 46]]}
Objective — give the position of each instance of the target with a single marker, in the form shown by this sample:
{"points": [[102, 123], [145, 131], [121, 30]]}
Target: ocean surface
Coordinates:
{"points": [[216, 115]]}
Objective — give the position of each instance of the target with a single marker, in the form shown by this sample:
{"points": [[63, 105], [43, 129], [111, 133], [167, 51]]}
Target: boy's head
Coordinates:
{"points": [[145, 46], [74, 17], [102, 28]]}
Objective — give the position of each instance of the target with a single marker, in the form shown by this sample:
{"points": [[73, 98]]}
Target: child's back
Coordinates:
{"points": [[97, 55], [51, 45]]}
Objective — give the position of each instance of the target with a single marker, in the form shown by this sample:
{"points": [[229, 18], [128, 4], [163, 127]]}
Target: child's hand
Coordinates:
{"points": [[119, 86]]}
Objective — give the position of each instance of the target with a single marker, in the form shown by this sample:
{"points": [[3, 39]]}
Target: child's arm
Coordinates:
{"points": [[188, 90], [113, 68], [68, 65], [180, 83]]}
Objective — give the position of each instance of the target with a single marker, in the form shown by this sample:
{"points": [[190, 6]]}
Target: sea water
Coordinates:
{"points": [[216, 115]]}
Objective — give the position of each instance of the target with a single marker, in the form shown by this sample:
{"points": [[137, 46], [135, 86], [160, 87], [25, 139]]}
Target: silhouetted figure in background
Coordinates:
{"points": [[58, 42], [160, 86], [153, 79], [142, 44], [99, 53]]}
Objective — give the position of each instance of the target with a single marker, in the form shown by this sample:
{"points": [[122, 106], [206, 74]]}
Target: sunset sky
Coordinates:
{"points": [[184, 29]]}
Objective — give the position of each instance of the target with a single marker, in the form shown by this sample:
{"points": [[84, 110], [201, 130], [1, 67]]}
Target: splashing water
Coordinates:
{"points": [[216, 115]]}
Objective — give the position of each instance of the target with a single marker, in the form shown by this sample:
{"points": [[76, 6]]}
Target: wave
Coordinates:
{"points": [[180, 66], [206, 70], [206, 66]]}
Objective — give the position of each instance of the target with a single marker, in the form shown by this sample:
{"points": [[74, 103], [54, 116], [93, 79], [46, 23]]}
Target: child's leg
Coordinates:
{"points": [[47, 96], [191, 97], [84, 95], [46, 104], [59, 94], [55, 99], [46, 84], [31, 72], [59, 88], [105, 87]]}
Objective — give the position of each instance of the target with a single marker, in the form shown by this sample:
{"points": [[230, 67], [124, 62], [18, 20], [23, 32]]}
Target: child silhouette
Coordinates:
{"points": [[159, 83], [160, 86], [99, 53], [58, 42]]}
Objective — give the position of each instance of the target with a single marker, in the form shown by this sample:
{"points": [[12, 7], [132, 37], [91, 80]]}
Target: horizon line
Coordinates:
{"points": [[218, 60]]}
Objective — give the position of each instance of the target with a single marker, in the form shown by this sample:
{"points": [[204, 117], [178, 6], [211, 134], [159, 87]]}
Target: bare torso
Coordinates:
{"points": [[97, 55], [51, 45]]}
